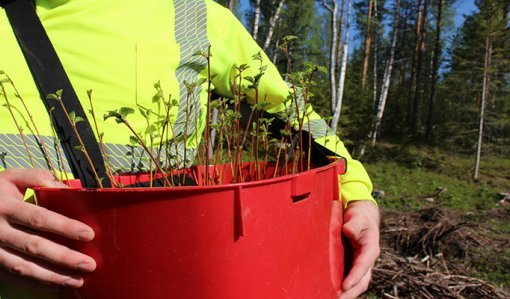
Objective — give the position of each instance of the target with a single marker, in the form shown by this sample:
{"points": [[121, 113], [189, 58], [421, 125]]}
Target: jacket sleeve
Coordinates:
{"points": [[232, 46]]}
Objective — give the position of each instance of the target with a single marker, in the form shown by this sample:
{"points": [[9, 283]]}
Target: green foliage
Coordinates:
{"points": [[57, 96], [119, 114], [409, 175]]}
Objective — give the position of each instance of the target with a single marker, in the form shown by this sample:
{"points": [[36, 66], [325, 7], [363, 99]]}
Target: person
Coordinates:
{"points": [[119, 49]]}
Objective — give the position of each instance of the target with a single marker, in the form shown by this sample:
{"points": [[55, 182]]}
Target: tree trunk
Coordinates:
{"points": [[386, 81], [333, 9], [368, 41], [230, 4], [410, 103], [340, 43], [376, 53], [343, 69], [272, 24], [256, 20], [417, 90], [402, 74], [435, 70], [485, 93]]}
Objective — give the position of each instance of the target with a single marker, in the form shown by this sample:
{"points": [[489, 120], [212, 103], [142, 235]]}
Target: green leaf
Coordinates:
{"points": [[242, 67], [143, 112], [79, 147], [322, 69], [109, 114], [72, 116], [200, 53], [151, 129], [125, 111], [78, 119], [89, 93], [257, 56], [59, 93], [52, 96], [133, 140], [258, 76], [285, 133]]}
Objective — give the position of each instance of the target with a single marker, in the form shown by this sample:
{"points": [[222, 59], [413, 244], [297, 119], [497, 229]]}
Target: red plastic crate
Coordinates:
{"points": [[272, 238]]}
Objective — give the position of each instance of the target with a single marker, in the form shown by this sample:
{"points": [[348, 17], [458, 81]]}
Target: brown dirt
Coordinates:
{"points": [[428, 253]]}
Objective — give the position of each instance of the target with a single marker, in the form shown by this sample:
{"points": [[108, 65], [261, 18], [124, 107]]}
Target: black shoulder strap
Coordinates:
{"points": [[50, 76]]}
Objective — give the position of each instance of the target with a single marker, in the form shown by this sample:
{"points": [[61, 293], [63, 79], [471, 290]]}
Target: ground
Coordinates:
{"points": [[443, 235]]}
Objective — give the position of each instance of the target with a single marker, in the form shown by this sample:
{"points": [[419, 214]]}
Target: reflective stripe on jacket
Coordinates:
{"points": [[119, 50]]}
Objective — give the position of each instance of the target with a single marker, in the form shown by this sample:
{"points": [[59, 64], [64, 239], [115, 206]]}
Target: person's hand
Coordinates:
{"points": [[23, 249], [361, 228]]}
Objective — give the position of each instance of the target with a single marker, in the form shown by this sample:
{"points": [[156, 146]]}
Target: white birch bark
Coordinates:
{"points": [[374, 88], [333, 9], [386, 82], [343, 67], [230, 5], [256, 20], [485, 92], [272, 24]]}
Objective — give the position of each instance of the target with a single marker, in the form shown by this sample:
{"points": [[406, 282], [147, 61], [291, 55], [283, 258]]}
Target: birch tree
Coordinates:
{"points": [[256, 20], [386, 80], [332, 7], [340, 34], [485, 92], [343, 69], [230, 4], [272, 24]]}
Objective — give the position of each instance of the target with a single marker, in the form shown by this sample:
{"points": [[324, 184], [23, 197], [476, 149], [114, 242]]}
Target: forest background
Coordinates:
{"points": [[419, 91]]}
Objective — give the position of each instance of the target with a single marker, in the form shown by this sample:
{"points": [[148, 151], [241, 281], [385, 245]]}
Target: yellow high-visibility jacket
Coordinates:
{"points": [[119, 49]]}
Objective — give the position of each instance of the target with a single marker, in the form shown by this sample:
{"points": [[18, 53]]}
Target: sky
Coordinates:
{"points": [[462, 7]]}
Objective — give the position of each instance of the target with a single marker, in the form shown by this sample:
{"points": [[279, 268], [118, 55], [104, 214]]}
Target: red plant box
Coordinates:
{"points": [[269, 238]]}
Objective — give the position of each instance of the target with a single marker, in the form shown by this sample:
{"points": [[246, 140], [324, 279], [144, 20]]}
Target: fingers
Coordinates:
{"points": [[36, 246], [23, 248], [41, 219], [363, 263], [23, 251], [362, 230], [23, 266], [27, 178], [358, 289]]}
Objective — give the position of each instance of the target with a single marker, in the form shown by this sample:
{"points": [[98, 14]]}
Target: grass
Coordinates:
{"points": [[410, 175]]}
